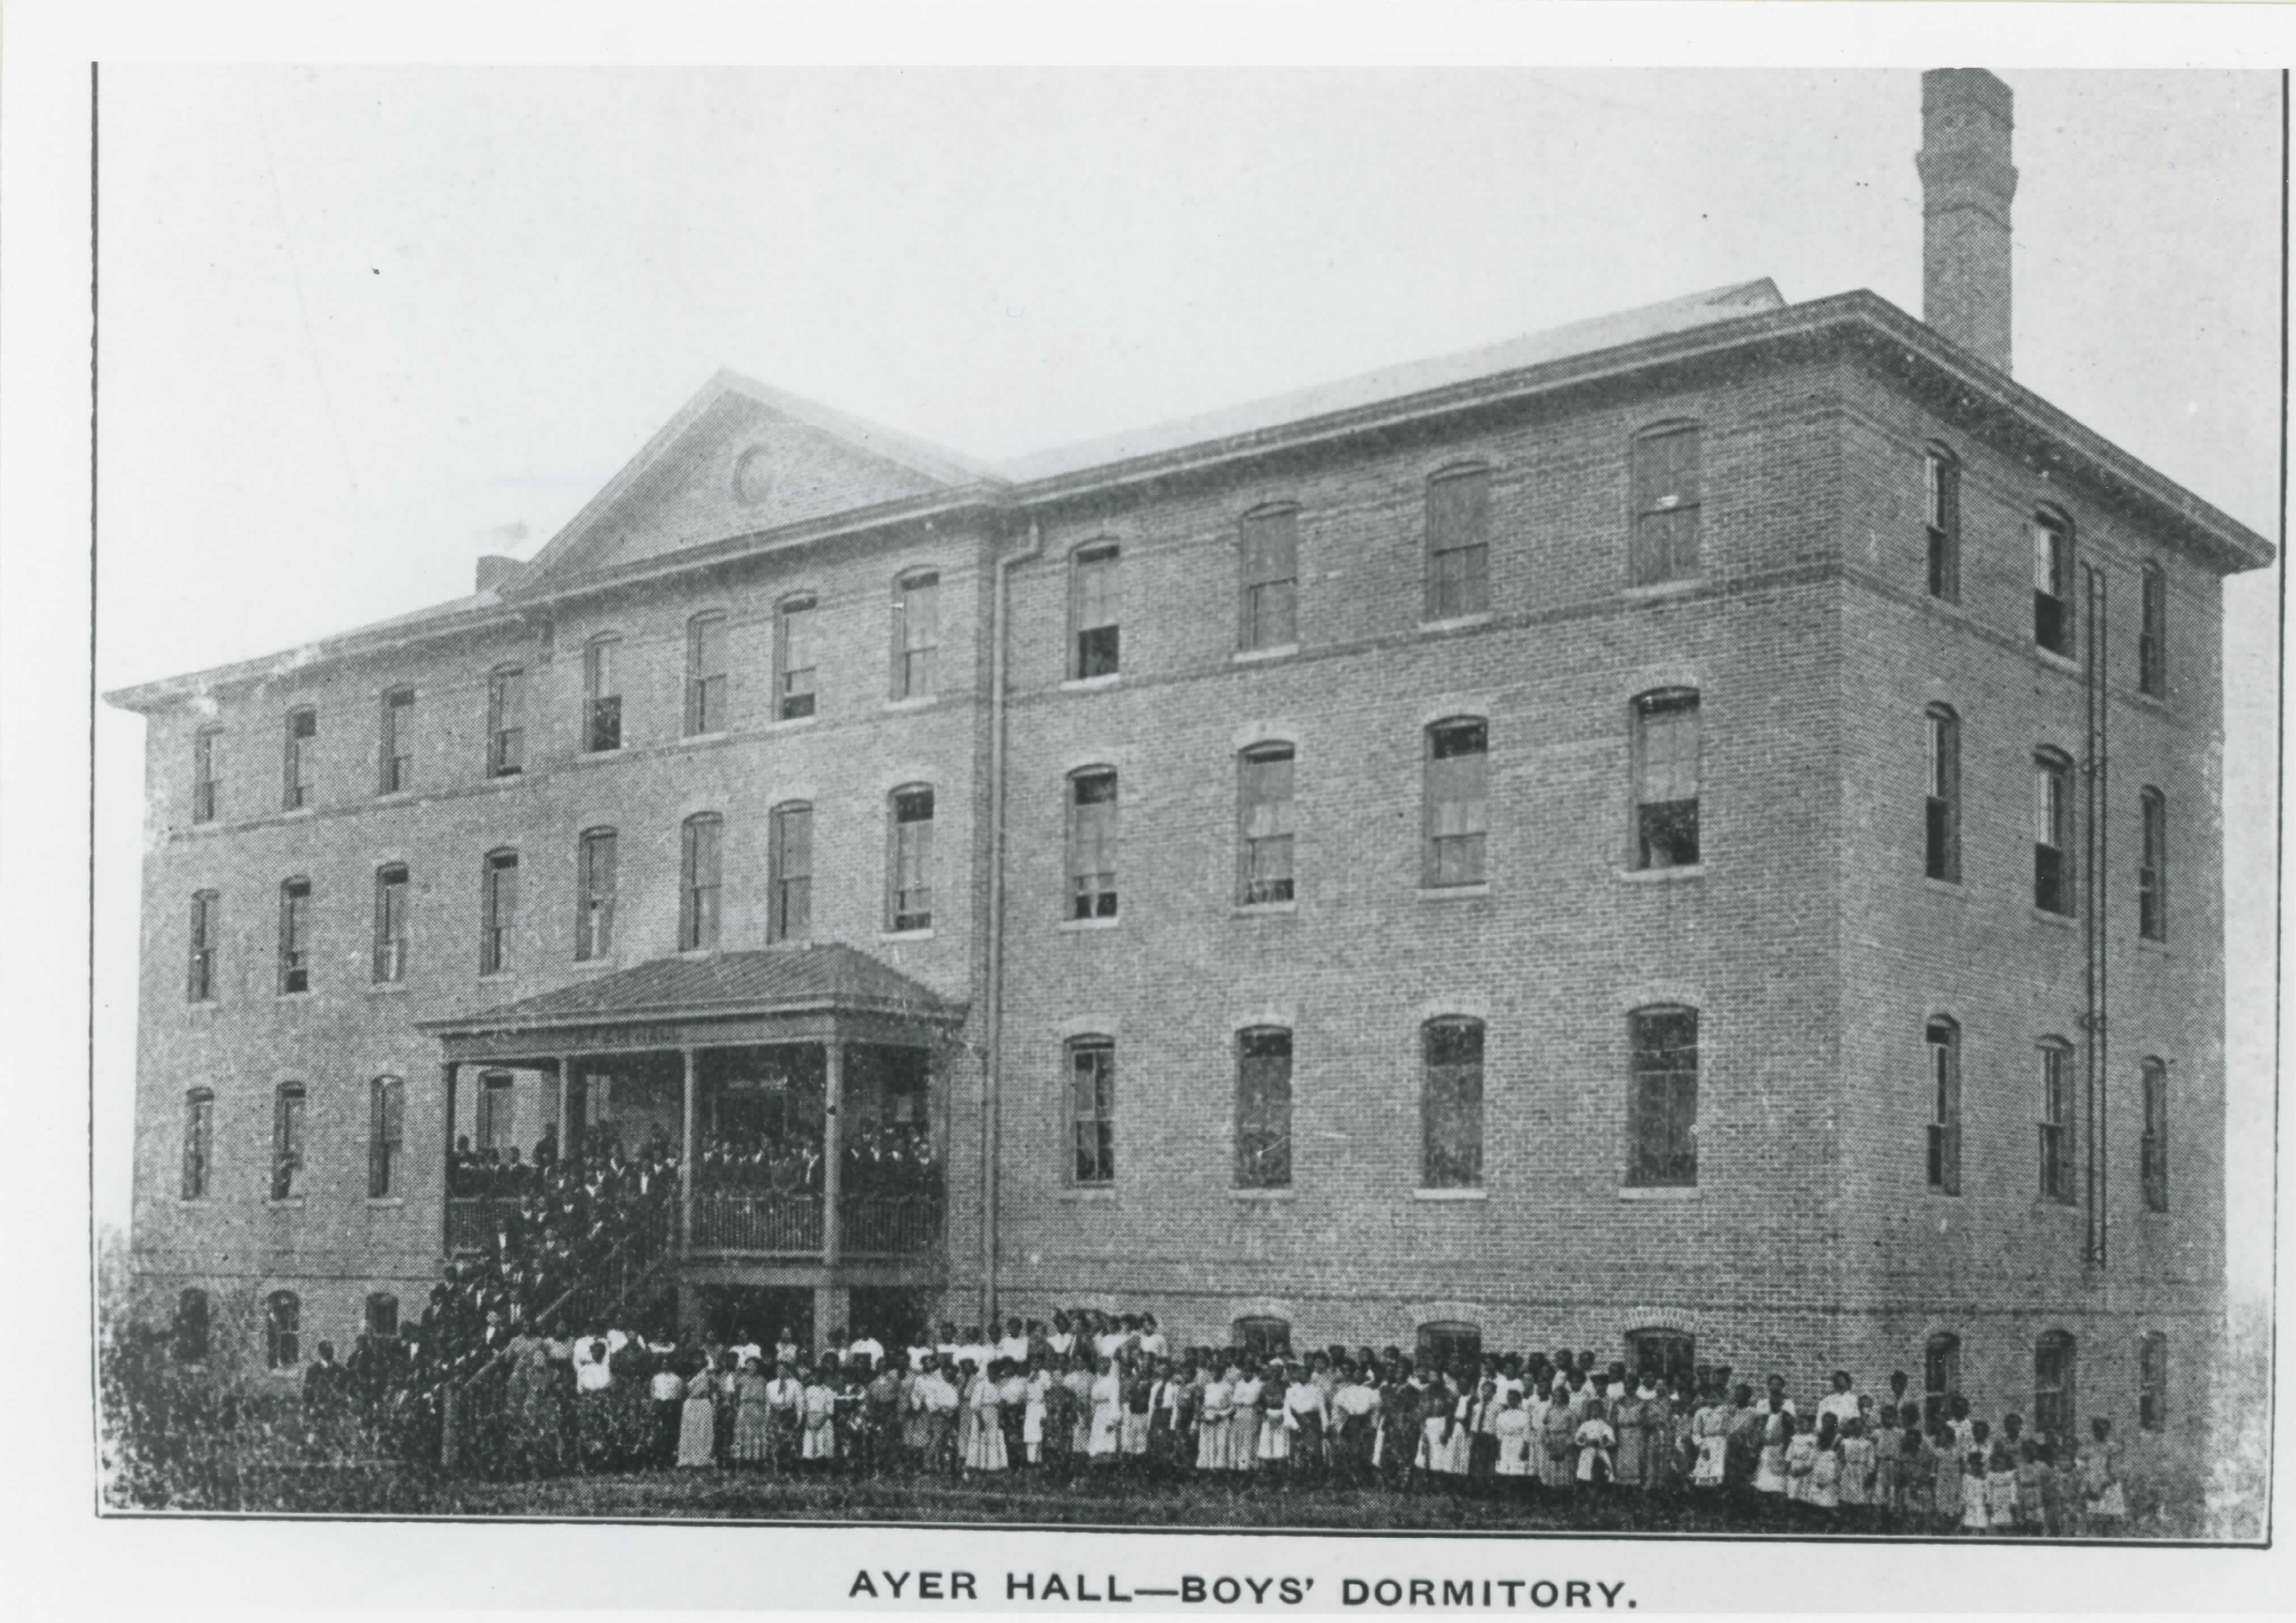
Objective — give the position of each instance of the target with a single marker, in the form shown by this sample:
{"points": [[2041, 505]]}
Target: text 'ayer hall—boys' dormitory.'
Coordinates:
{"points": [[1694, 834]]}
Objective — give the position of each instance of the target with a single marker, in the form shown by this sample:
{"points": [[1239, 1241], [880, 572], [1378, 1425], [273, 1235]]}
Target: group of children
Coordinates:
{"points": [[1093, 1392]]}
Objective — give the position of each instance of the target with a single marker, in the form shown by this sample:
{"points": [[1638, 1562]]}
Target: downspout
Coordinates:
{"points": [[993, 1076], [2097, 888]]}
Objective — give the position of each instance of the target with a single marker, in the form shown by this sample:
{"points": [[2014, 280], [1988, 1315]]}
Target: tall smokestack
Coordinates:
{"points": [[1966, 185]]}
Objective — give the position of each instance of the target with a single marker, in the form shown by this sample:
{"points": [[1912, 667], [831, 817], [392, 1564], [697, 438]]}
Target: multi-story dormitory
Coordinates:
{"points": [[1693, 834]]}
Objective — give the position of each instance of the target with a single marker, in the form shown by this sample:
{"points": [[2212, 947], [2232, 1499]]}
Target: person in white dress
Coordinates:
{"points": [[1511, 1427], [1107, 1414], [1214, 1421]]}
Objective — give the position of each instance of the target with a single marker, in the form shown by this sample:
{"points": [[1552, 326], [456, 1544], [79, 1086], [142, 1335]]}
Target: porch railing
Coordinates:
{"points": [[884, 1225], [769, 1225]]}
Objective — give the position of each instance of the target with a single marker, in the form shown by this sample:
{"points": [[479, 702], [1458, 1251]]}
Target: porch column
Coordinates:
{"points": [[686, 1155], [446, 1162], [832, 1179], [565, 1108]]}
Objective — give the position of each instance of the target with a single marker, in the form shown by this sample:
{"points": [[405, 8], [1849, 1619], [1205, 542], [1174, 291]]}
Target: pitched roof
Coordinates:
{"points": [[772, 980]]}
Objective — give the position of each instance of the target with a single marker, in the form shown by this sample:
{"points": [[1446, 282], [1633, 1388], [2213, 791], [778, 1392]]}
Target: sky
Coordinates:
{"points": [[359, 327]]}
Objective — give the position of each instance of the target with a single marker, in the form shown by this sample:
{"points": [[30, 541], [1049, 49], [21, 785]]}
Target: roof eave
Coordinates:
{"points": [[944, 1013], [148, 696]]}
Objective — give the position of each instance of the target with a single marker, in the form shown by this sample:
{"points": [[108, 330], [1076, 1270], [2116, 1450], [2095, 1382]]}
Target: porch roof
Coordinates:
{"points": [[815, 978]]}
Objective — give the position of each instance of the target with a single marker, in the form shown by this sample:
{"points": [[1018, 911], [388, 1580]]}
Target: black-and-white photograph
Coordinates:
{"points": [[1441, 799]]}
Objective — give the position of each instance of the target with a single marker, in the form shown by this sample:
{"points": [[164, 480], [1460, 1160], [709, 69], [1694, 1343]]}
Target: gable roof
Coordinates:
{"points": [[791, 979]]}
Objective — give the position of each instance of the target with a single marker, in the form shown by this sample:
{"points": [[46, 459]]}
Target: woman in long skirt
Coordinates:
{"points": [[697, 1428], [1244, 1425], [1107, 1414], [753, 1418], [985, 1450], [1079, 1383], [819, 1444], [1274, 1439], [1213, 1420]]}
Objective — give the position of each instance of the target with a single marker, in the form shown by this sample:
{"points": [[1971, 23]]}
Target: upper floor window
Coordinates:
{"points": [[1458, 802], [1265, 802], [2054, 1405], [207, 935], [705, 674], [1092, 1110], [1666, 767], [283, 1330], [505, 722], [1451, 1104], [391, 894], [916, 634], [2053, 832], [2057, 1164], [1666, 490], [1263, 1108], [287, 1141], [1662, 1097], [1942, 811], [386, 1135], [397, 748], [1944, 1106], [595, 861], [1941, 481], [1269, 612], [1458, 543], [2152, 868], [1092, 611], [2053, 584], [1092, 843], [2152, 1381], [206, 779], [699, 869], [295, 936], [497, 911], [601, 694], [790, 855], [199, 1142], [302, 746], [794, 659], [910, 903], [2153, 1146], [2153, 632]]}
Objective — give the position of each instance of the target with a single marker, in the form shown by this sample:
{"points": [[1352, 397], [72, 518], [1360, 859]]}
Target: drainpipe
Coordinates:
{"points": [[992, 1080]]}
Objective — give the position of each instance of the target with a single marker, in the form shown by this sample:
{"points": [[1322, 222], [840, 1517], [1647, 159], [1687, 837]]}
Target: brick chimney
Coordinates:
{"points": [[493, 569], [1966, 185]]}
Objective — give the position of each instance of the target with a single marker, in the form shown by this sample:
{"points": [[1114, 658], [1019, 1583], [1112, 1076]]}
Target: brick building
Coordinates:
{"points": [[1694, 834]]}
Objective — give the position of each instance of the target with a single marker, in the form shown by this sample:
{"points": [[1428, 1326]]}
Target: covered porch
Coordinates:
{"points": [[792, 1103]]}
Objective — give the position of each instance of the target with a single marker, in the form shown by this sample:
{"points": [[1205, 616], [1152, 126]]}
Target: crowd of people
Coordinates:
{"points": [[1088, 1392], [884, 1158]]}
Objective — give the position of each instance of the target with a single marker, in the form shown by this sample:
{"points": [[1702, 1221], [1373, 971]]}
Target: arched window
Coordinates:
{"points": [[191, 1326], [2152, 866], [301, 753], [1941, 835], [1094, 608], [396, 747], [1263, 1108], [386, 1135], [794, 659], [1260, 1337], [1668, 1356], [2155, 1144], [2153, 632], [596, 864], [1458, 542], [207, 773], [2053, 582], [1451, 1103], [700, 865], [1268, 570], [1091, 1063], [2057, 1148], [1264, 807], [1666, 768], [1662, 1097], [909, 890], [705, 673], [602, 693], [505, 721], [206, 937], [1665, 503], [381, 1314], [1092, 843], [282, 1331], [2152, 1381], [1940, 1375], [497, 911], [2053, 832], [199, 1142], [1941, 482], [295, 936], [917, 633], [287, 1102], [1945, 1104], [1450, 1345], [2054, 1400], [790, 859], [1458, 802], [392, 893]]}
